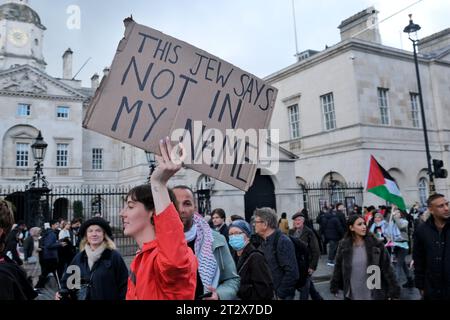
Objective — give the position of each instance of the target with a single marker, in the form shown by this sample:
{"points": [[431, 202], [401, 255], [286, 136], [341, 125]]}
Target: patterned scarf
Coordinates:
{"points": [[207, 264]]}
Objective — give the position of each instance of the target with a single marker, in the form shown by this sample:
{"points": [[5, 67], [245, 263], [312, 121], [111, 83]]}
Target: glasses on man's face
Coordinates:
{"points": [[258, 221]]}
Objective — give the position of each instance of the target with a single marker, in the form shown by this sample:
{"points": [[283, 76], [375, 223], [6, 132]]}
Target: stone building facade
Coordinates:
{"points": [[360, 98], [32, 100]]}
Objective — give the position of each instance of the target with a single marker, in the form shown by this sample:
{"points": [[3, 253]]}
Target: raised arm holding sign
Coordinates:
{"points": [[160, 86]]}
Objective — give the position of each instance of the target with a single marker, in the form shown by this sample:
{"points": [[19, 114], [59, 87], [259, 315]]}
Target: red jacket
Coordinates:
{"points": [[165, 268]]}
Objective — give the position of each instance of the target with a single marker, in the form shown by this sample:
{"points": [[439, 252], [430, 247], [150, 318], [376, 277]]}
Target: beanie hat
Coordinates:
{"points": [[243, 225], [97, 221]]}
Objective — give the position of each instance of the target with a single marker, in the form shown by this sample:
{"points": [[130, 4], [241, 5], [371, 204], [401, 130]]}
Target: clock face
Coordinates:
{"points": [[18, 37]]}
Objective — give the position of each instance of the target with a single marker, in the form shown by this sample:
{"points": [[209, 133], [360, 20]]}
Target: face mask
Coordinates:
{"points": [[237, 242]]}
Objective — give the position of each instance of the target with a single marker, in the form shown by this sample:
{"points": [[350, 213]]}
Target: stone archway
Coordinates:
{"points": [[261, 194]]}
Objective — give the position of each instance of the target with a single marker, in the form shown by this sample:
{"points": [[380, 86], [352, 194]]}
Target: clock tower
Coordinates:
{"points": [[21, 35]]}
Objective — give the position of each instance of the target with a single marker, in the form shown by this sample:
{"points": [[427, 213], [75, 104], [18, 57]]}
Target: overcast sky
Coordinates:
{"points": [[255, 35]]}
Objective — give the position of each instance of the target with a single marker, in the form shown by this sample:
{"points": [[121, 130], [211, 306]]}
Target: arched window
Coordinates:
{"points": [[423, 191]]}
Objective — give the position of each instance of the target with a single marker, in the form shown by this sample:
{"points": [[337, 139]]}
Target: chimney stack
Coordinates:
{"points": [[106, 71], [95, 81], [67, 64], [363, 25]]}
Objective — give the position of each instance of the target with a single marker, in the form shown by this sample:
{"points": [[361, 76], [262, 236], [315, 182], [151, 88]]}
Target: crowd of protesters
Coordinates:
{"points": [[182, 256]]}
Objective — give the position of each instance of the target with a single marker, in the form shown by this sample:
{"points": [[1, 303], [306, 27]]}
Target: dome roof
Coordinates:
{"points": [[21, 13]]}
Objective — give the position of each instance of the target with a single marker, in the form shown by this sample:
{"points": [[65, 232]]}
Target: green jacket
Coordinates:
{"points": [[229, 280]]}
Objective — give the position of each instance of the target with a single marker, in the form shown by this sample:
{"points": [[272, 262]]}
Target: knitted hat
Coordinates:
{"points": [[97, 221], [243, 225]]}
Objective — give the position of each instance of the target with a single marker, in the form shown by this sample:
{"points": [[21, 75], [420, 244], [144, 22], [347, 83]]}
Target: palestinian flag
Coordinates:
{"points": [[383, 185]]}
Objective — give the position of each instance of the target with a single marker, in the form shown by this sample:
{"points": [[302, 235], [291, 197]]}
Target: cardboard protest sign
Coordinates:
{"points": [[159, 85]]}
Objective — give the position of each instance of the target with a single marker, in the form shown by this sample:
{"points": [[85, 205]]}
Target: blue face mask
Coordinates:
{"points": [[237, 242]]}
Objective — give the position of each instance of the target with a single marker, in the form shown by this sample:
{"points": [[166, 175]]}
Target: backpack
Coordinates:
{"points": [[301, 255]]}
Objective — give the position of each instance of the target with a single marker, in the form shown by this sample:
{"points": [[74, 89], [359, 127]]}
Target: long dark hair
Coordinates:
{"points": [[283, 216], [350, 222]]}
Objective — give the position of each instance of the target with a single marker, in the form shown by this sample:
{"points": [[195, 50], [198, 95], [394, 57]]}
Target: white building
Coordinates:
{"points": [[34, 101], [359, 98]]}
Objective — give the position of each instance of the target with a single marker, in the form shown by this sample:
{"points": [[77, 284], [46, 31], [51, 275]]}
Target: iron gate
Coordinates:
{"points": [[316, 196], [84, 202]]}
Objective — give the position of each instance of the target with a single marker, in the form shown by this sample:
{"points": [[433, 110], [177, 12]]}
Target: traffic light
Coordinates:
{"points": [[439, 172]]}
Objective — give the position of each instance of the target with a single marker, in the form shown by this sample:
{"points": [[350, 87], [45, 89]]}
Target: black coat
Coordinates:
{"points": [[332, 227], [283, 266], [223, 231], [256, 279], [431, 255], [311, 240], [11, 245], [376, 255], [13, 282], [109, 279], [28, 247]]}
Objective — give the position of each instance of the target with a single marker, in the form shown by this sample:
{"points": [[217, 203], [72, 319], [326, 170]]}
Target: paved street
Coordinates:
{"points": [[323, 275]]}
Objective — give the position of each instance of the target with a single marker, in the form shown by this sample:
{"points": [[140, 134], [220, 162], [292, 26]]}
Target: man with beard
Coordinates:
{"points": [[431, 252]]}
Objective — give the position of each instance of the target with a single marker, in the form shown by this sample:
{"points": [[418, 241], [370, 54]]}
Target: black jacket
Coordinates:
{"points": [[13, 282], [376, 255], [332, 227], [109, 278], [431, 254], [11, 245], [283, 267], [310, 239], [256, 280], [28, 247], [223, 231]]}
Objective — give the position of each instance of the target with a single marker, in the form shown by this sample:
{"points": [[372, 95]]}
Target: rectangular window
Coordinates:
{"points": [[23, 110], [62, 112], [22, 154], [383, 104], [62, 154], [415, 110], [294, 121], [329, 115], [97, 159]]}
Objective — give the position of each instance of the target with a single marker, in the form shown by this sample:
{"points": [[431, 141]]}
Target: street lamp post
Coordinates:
{"points": [[151, 160], [38, 148], [332, 185], [37, 209], [412, 28]]}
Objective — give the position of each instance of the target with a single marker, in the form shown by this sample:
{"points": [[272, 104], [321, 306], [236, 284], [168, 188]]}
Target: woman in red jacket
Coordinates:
{"points": [[164, 268]]}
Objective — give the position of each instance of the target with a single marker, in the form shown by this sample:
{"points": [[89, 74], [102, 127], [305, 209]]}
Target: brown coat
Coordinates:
{"points": [[376, 255]]}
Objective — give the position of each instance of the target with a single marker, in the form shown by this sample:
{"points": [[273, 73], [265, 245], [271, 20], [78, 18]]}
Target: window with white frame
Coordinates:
{"points": [[22, 150], [294, 121], [62, 154], [415, 109], [97, 158], [62, 112], [383, 105], [423, 191], [329, 115], [23, 109]]}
